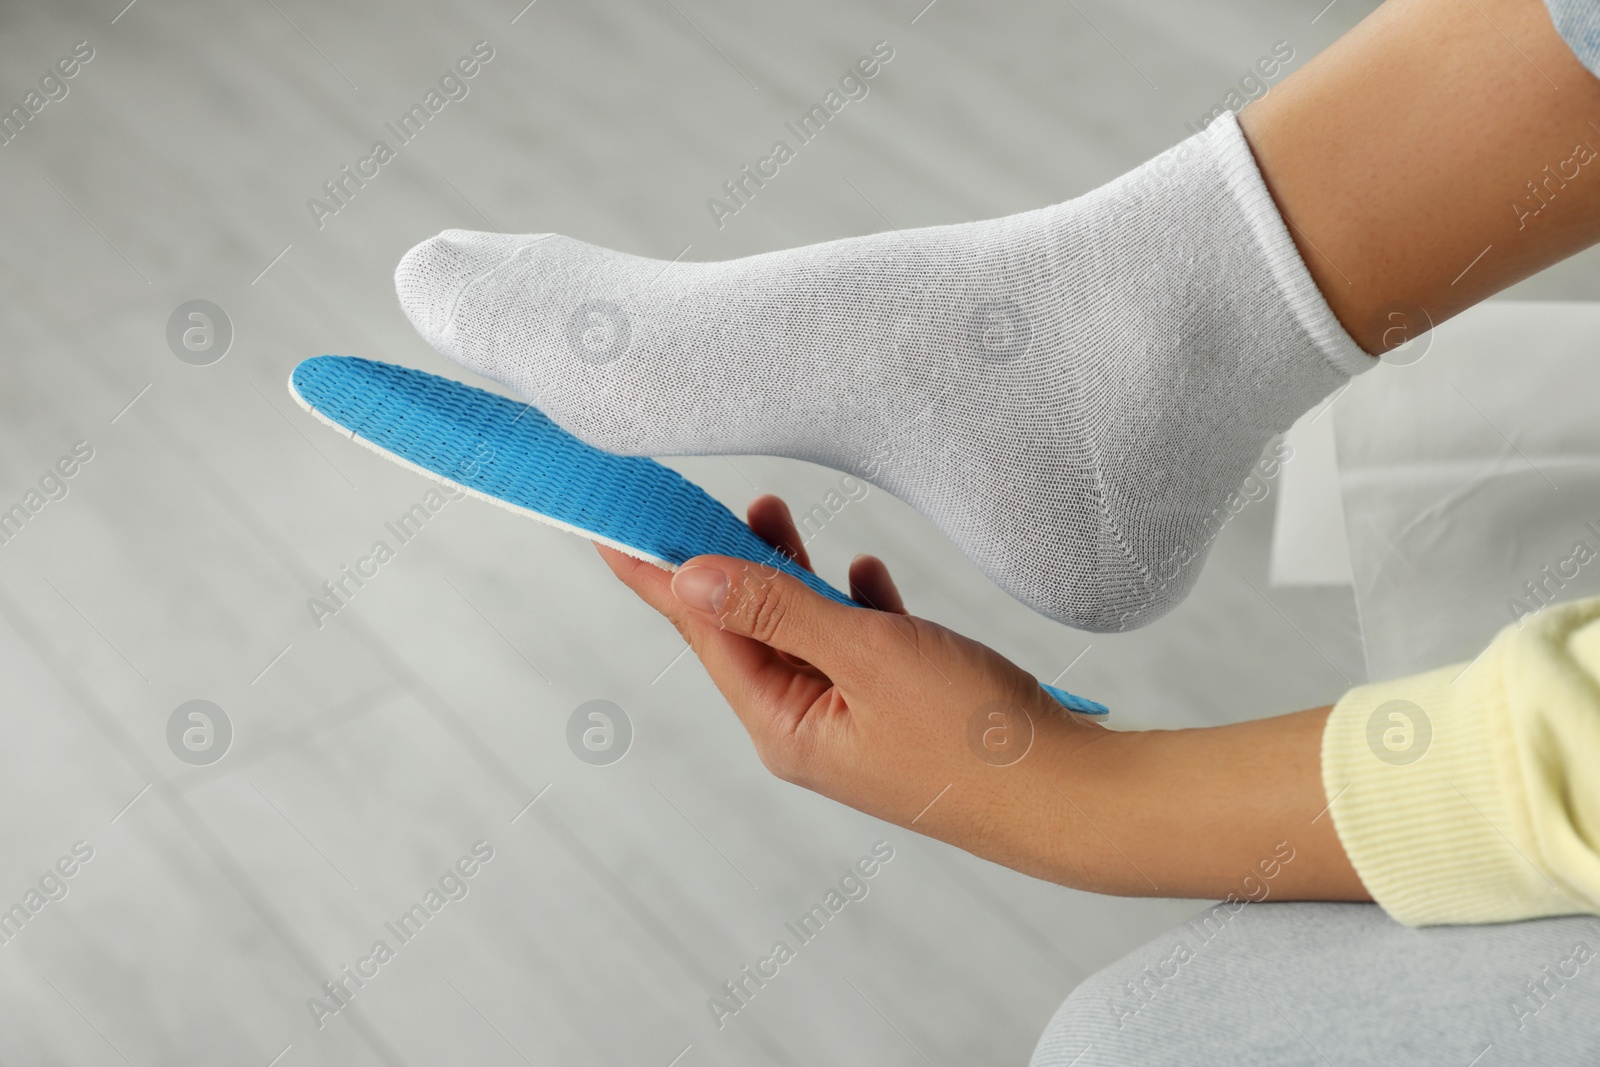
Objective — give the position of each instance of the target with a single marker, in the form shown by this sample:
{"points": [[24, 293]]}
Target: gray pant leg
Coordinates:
{"points": [[1578, 22], [1330, 985]]}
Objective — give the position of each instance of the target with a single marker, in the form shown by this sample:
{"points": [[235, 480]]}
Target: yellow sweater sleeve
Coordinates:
{"points": [[1472, 794]]}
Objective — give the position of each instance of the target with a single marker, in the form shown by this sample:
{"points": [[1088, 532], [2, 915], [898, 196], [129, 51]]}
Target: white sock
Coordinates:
{"points": [[1069, 394]]}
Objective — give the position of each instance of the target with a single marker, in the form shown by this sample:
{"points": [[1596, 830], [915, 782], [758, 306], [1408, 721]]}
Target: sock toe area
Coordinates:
{"points": [[432, 276]]}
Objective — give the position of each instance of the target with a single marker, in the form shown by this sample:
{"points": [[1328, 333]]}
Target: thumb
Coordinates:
{"points": [[766, 605]]}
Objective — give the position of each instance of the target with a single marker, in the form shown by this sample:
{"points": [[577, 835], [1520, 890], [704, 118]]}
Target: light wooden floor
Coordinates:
{"points": [[370, 754]]}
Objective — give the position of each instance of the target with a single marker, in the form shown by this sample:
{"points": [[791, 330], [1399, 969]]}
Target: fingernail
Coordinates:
{"points": [[701, 588]]}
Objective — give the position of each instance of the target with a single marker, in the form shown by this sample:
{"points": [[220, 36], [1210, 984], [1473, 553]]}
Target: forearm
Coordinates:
{"points": [[1410, 158], [1190, 813]]}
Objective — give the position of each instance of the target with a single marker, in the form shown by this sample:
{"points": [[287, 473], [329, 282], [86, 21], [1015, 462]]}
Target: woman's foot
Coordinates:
{"points": [[1069, 394]]}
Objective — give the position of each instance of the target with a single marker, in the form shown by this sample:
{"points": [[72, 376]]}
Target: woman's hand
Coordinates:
{"points": [[866, 705], [903, 719]]}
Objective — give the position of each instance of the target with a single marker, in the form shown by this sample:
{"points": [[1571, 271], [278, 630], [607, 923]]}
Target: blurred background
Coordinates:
{"points": [[339, 772]]}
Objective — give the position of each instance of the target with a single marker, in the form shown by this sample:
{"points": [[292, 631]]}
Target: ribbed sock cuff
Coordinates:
{"points": [[1578, 23], [1300, 292]]}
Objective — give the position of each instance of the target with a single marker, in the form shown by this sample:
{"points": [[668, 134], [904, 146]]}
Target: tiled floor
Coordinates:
{"points": [[370, 754]]}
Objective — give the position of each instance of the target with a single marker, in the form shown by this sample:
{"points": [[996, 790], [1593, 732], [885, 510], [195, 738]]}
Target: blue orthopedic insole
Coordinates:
{"points": [[511, 454]]}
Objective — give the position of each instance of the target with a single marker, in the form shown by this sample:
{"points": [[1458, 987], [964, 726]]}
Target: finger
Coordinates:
{"points": [[762, 603], [652, 583], [771, 520], [767, 689], [871, 585]]}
